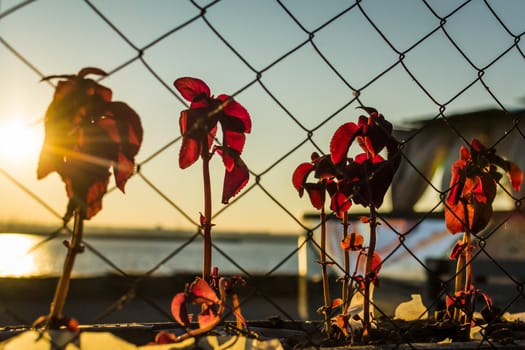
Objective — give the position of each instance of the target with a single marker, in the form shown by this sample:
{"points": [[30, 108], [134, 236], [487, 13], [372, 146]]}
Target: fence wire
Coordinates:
{"points": [[450, 130]]}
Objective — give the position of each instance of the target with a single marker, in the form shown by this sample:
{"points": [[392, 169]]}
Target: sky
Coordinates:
{"points": [[294, 65]]}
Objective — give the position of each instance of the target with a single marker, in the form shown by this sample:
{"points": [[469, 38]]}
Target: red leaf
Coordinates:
{"points": [[300, 175], [454, 217], [324, 168], [190, 88], [473, 195], [183, 121], [179, 311], [189, 152], [458, 249], [456, 182], [129, 127], [316, 194], [234, 109], [94, 197], [123, 170], [377, 159], [383, 174], [203, 220], [234, 140], [340, 204], [86, 134], [372, 112], [377, 131], [453, 301], [464, 154], [341, 141], [486, 298], [377, 262], [515, 175], [361, 158], [477, 146], [235, 180]]}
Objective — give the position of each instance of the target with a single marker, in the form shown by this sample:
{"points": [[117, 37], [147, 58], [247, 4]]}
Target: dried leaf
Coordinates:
{"points": [[411, 310]]}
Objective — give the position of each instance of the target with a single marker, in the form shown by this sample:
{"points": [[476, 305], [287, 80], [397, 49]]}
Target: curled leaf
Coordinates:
{"points": [[201, 292], [179, 310], [458, 249]]}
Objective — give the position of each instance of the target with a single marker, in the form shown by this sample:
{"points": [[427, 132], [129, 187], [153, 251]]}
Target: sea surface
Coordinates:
{"points": [[38, 255]]}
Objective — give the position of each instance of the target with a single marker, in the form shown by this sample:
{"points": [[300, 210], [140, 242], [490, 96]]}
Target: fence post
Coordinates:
{"points": [[302, 277]]}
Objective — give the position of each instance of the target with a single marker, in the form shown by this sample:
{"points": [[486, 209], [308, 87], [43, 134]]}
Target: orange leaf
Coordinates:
{"points": [[208, 317], [336, 303], [353, 242], [202, 293], [179, 311]]}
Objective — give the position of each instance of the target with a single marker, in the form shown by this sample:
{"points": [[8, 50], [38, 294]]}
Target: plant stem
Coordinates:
{"points": [[237, 310], [73, 248], [206, 269], [369, 261], [458, 282], [464, 261], [468, 262], [326, 286], [345, 291]]}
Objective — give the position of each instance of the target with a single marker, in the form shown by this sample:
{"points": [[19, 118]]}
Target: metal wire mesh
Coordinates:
{"points": [[438, 137]]}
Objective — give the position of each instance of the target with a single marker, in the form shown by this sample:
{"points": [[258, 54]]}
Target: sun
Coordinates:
{"points": [[19, 142], [15, 259]]}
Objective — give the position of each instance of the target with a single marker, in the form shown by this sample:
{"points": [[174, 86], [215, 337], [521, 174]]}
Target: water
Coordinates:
{"points": [[26, 255]]}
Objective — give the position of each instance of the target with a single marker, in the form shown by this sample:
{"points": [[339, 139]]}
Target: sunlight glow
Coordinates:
{"points": [[19, 142], [15, 261]]}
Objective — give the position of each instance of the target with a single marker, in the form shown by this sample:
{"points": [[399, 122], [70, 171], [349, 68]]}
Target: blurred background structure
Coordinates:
{"points": [[441, 71]]}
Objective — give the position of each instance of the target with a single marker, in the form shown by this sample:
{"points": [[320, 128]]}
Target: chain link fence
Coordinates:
{"points": [[320, 66]]}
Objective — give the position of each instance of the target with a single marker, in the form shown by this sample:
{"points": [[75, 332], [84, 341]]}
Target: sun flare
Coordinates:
{"points": [[19, 142], [15, 259]]}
